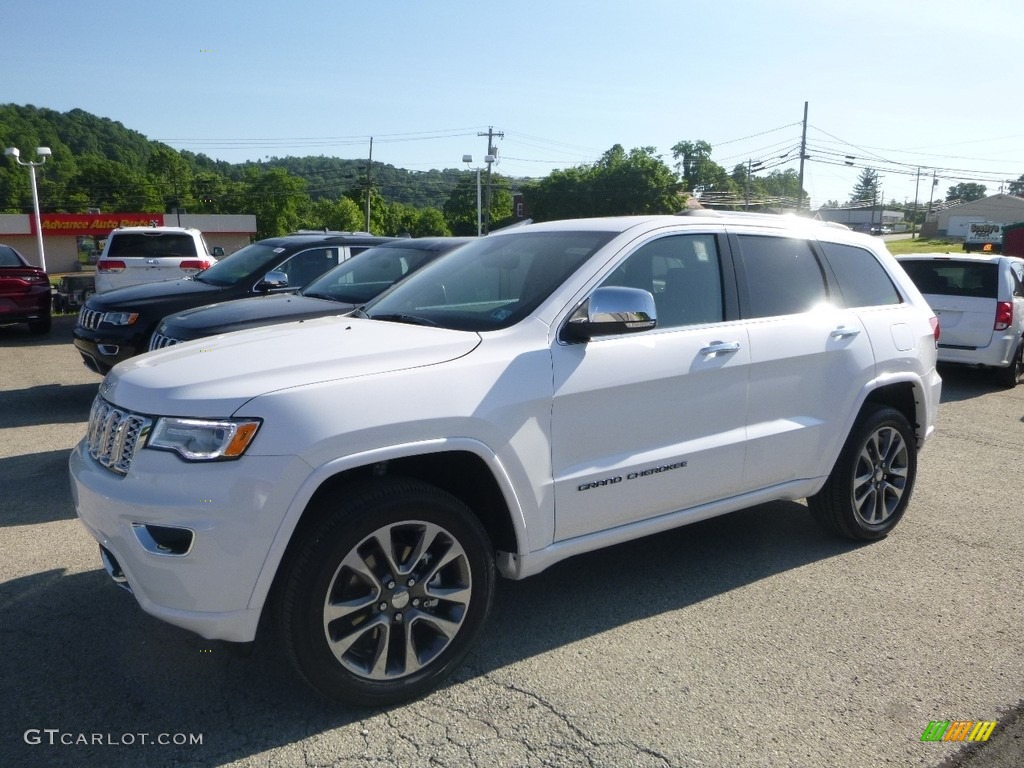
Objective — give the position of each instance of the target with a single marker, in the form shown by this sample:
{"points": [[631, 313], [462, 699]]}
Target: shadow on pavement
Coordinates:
{"points": [[81, 656]]}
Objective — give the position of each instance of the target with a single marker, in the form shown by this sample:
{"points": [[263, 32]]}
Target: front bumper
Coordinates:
{"points": [[234, 509], [101, 354]]}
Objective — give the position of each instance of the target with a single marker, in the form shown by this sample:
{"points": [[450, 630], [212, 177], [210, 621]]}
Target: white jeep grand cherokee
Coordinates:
{"points": [[539, 393]]}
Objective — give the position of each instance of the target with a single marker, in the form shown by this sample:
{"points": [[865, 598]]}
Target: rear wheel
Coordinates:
{"points": [[387, 593], [1010, 375], [871, 483]]}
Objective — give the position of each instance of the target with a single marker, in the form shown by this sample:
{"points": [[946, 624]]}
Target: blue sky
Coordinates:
{"points": [[896, 83]]}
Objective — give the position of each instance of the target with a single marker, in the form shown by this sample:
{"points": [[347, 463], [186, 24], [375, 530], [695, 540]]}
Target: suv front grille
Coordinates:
{"points": [[114, 435], [89, 319], [159, 341]]}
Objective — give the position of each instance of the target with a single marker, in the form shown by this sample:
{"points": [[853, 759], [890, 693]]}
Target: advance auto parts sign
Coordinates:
{"points": [[93, 223]]}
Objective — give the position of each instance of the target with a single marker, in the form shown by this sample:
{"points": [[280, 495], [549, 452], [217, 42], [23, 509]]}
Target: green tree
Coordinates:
{"points": [[698, 171], [620, 183], [866, 188], [278, 200], [342, 214], [1017, 187], [966, 192], [172, 176]]}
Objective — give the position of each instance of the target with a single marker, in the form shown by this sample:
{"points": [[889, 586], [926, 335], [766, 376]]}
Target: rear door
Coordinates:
{"points": [[810, 356], [962, 293]]}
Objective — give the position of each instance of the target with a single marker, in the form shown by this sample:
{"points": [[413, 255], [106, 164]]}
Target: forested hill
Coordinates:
{"points": [[99, 162]]}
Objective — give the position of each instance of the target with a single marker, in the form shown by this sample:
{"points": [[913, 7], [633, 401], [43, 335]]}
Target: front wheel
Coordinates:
{"points": [[387, 593], [871, 483]]}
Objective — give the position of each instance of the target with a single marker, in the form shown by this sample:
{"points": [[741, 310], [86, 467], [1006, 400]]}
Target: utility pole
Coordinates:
{"points": [[913, 220], [751, 167], [369, 184], [492, 153], [803, 156], [931, 195]]}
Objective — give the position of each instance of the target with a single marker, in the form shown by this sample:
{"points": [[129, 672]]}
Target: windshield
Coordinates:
{"points": [[362, 277], [490, 283], [241, 264]]}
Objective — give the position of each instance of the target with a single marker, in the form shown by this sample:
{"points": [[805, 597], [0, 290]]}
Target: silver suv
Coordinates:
{"points": [[979, 299]]}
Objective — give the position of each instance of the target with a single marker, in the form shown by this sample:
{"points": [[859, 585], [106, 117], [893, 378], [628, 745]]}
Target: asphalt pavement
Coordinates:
{"points": [[753, 639]]}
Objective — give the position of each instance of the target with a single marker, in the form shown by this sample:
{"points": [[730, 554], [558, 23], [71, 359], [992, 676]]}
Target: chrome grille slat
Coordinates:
{"points": [[89, 318], [114, 435], [159, 341]]}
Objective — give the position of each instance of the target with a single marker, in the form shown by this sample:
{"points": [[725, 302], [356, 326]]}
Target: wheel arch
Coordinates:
{"points": [[906, 397], [474, 477]]}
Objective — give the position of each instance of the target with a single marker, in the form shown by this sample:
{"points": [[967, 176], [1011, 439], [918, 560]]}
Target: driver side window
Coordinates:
{"points": [[683, 274]]}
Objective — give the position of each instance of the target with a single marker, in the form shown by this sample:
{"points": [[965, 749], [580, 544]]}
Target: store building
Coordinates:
{"points": [[67, 236]]}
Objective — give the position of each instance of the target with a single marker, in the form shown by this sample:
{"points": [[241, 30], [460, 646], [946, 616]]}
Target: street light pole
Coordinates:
{"points": [[42, 152], [467, 159]]}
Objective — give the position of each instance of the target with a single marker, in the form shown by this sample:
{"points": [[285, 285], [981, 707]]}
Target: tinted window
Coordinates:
{"points": [[358, 280], [782, 275], [306, 266], [948, 277], [240, 264], [8, 258], [683, 274], [862, 280], [153, 246]]}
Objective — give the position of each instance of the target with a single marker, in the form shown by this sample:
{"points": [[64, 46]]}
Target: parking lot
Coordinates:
{"points": [[752, 639]]}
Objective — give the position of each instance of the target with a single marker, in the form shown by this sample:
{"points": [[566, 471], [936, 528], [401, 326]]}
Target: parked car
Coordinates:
{"points": [[979, 299], [24, 292], [72, 291], [538, 393], [135, 255], [118, 324], [342, 289]]}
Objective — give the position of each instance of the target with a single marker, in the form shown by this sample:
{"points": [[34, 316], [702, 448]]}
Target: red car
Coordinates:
{"points": [[24, 292]]}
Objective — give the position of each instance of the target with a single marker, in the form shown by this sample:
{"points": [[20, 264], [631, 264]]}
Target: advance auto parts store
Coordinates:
{"points": [[62, 232]]}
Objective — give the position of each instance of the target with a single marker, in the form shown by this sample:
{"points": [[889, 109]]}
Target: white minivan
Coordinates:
{"points": [[134, 255], [979, 300]]}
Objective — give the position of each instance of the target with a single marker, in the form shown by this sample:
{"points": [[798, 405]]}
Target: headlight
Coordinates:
{"points": [[202, 439], [120, 318]]}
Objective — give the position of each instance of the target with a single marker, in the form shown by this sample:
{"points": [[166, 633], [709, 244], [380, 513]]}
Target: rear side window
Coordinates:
{"points": [[153, 246], [862, 280], [954, 278], [783, 277]]}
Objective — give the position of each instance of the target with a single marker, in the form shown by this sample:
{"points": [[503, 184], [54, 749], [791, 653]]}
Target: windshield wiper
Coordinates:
{"points": [[400, 318], [325, 296]]}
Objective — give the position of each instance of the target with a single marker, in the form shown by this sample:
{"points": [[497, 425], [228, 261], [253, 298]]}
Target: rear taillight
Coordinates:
{"points": [[194, 265], [109, 266], [1004, 315], [936, 330]]}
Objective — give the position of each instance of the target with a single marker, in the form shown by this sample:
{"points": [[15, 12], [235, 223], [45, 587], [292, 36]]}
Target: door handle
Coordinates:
{"points": [[720, 347], [843, 332]]}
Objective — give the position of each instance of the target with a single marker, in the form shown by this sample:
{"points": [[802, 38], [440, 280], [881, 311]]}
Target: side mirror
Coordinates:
{"points": [[610, 311], [272, 281], [218, 252]]}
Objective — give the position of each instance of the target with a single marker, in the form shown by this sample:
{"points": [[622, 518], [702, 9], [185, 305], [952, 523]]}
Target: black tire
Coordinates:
{"points": [[40, 326], [1010, 375], [872, 481], [435, 588]]}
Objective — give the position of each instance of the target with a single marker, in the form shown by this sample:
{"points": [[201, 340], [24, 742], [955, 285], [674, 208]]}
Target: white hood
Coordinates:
{"points": [[217, 375]]}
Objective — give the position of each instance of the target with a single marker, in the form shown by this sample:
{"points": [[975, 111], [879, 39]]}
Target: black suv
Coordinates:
{"points": [[116, 325]]}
